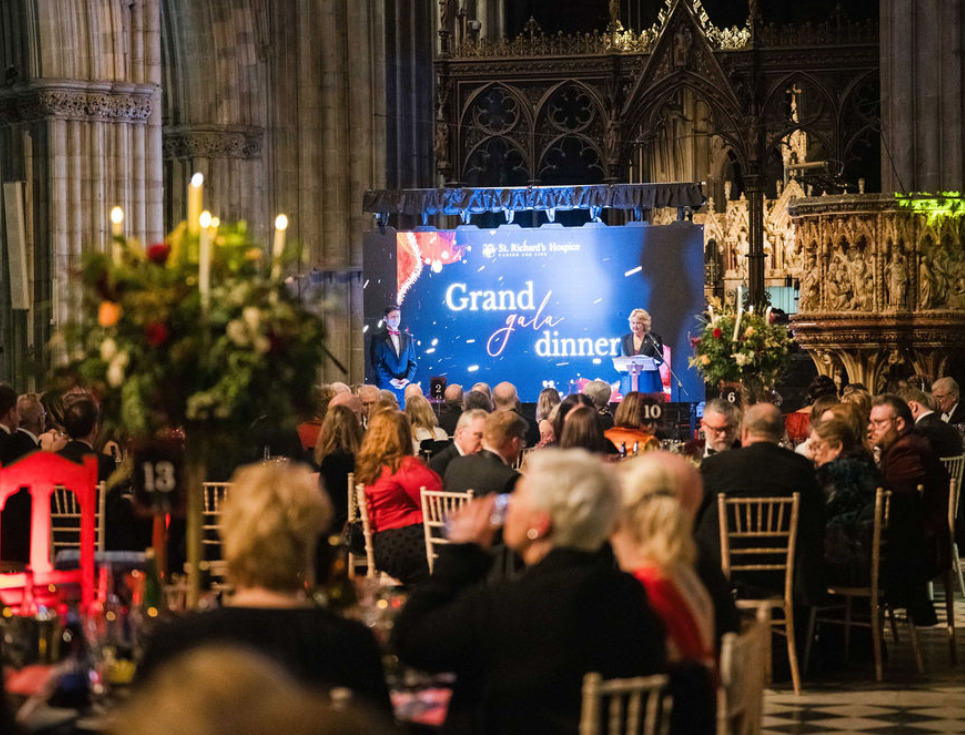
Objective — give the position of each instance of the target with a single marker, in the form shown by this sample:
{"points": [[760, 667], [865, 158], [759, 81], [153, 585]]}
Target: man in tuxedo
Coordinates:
{"points": [[451, 409], [720, 424], [393, 357], [944, 439], [9, 422], [491, 469], [506, 398], [946, 393], [467, 440], [762, 468], [81, 418], [369, 396]]}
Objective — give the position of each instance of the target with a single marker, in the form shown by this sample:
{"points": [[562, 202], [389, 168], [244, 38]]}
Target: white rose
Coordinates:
{"points": [[121, 358], [115, 374], [108, 349], [237, 333], [262, 344], [252, 317]]}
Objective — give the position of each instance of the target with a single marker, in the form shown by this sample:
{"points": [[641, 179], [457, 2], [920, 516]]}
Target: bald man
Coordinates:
{"points": [[762, 468]]}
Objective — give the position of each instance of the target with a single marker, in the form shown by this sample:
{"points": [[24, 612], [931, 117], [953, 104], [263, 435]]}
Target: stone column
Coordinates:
{"points": [[922, 95]]}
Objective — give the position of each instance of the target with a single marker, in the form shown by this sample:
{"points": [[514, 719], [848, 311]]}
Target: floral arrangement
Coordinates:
{"points": [[196, 330], [740, 347]]}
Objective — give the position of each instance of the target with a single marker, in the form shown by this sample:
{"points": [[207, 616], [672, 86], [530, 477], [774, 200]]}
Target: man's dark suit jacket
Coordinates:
{"points": [[124, 528], [440, 462], [15, 519], [520, 648], [958, 415], [448, 418], [760, 470], [387, 365], [483, 473], [944, 439]]}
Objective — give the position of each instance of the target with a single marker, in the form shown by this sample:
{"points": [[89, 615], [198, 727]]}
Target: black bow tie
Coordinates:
{"points": [[711, 452]]}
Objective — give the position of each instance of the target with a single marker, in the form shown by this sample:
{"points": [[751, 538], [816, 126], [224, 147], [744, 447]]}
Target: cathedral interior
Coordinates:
{"points": [[826, 137]]}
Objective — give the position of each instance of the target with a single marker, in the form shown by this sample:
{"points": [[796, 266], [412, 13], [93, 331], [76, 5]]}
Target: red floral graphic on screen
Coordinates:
{"points": [[418, 250]]}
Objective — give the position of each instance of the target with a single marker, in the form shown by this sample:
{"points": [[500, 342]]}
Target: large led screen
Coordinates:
{"points": [[537, 306]]}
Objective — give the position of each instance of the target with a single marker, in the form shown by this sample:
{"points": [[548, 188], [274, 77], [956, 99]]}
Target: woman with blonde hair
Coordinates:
{"points": [[422, 421], [338, 443], [393, 480], [654, 542], [273, 516], [642, 341]]}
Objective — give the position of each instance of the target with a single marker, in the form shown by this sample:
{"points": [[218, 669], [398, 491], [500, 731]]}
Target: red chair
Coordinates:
{"points": [[40, 473]]}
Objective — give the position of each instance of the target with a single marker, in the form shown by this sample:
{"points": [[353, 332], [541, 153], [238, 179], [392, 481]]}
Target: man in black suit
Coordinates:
{"points": [[946, 393], [32, 416], [491, 469], [761, 468], [944, 439], [720, 425], [467, 440], [81, 417], [451, 410], [9, 422]]}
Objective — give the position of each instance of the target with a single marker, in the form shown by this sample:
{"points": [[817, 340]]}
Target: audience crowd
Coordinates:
{"points": [[598, 565]]}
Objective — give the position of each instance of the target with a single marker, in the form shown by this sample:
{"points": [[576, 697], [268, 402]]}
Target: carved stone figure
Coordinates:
{"points": [[682, 41], [440, 146], [926, 283], [809, 286], [898, 281]]}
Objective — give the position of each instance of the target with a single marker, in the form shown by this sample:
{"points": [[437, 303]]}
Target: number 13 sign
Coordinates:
{"points": [[158, 472]]}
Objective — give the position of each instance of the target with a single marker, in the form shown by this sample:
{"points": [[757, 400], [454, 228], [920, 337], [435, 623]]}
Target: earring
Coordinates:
{"points": [[532, 534]]}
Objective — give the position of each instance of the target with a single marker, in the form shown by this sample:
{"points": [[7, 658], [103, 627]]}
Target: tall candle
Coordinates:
{"points": [[278, 247], [740, 312], [204, 260], [710, 311], [767, 315], [117, 230], [195, 197]]}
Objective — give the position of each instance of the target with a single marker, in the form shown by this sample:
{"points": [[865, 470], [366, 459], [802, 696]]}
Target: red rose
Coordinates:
{"points": [[156, 334], [694, 341], [717, 333], [158, 253]]}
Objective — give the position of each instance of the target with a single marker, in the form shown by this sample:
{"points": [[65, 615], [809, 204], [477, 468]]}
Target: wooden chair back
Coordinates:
{"points": [[634, 706], [743, 662], [65, 515], [437, 507], [759, 535], [363, 509]]}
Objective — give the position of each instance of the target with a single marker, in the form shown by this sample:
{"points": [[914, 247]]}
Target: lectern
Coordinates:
{"points": [[634, 366]]}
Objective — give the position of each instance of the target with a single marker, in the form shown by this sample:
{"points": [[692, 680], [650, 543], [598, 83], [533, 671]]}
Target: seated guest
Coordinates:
{"points": [[369, 395], [947, 395], [393, 480], [581, 429], [654, 542], [850, 414], [858, 395], [224, 689], [797, 425], [467, 440], [451, 408], [81, 419], [412, 389], [549, 399], [677, 475], [846, 473], [271, 522], [599, 392], [568, 404], [762, 468], [631, 424], [491, 469], [9, 421], [388, 396], [308, 429], [506, 398], [422, 421], [477, 399], [486, 390], [15, 519], [720, 426], [26, 438], [520, 649], [943, 438], [338, 443], [918, 540]]}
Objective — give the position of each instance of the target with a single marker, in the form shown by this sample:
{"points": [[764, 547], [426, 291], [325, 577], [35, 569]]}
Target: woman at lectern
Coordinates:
{"points": [[641, 341]]}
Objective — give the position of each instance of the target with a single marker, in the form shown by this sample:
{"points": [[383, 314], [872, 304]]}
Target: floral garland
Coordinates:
{"points": [[740, 347], [160, 356]]}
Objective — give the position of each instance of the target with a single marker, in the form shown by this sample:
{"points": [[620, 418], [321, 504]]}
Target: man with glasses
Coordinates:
{"points": [[946, 394], [918, 542], [720, 426]]}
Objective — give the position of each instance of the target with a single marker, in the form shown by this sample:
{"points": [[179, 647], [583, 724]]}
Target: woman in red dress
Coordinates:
{"points": [[393, 480]]}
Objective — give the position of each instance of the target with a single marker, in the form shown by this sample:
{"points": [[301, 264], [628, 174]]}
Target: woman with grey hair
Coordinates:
{"points": [[273, 516], [520, 648]]}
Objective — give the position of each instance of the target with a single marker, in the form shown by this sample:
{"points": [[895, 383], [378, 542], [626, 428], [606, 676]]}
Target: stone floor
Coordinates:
{"points": [[905, 703]]}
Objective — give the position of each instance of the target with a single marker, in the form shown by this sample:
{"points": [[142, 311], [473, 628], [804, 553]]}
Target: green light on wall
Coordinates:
{"points": [[935, 207]]}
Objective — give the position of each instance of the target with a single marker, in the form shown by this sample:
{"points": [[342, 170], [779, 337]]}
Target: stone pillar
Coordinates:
{"points": [[922, 95], [79, 124]]}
